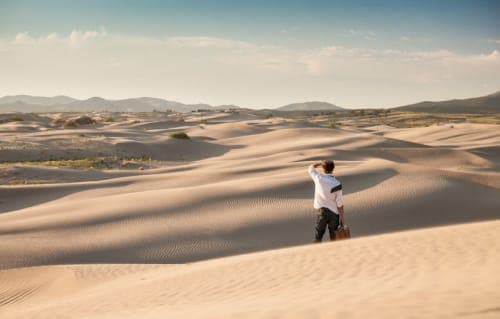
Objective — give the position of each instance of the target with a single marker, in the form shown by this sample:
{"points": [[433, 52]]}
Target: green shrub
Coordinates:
{"points": [[181, 135], [11, 119], [333, 124], [16, 119], [58, 121], [81, 120]]}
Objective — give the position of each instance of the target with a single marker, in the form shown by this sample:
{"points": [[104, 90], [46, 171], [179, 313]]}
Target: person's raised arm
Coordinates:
{"points": [[312, 170]]}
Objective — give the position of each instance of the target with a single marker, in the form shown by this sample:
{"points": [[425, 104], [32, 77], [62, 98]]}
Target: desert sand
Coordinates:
{"points": [[220, 225]]}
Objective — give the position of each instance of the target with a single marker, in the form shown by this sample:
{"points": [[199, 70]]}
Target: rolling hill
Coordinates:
{"points": [[488, 104], [27, 103], [37, 100]]}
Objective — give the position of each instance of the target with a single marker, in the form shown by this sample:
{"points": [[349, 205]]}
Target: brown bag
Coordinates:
{"points": [[342, 232]]}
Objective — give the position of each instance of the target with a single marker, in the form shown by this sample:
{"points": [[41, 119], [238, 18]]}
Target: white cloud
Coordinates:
{"points": [[52, 36], [220, 71], [405, 38], [23, 38], [77, 38], [494, 56], [495, 41]]}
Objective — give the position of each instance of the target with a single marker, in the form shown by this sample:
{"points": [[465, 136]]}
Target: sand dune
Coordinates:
{"points": [[92, 239], [443, 272], [461, 136]]}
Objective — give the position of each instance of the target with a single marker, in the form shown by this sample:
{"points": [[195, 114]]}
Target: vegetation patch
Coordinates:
{"points": [[404, 120], [333, 124], [58, 121], [180, 135], [110, 162], [14, 118], [81, 120], [365, 118]]}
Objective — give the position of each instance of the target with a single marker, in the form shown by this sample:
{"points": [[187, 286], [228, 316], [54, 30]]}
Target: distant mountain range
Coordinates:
{"points": [[61, 103], [37, 100], [310, 106], [25, 103], [480, 105]]}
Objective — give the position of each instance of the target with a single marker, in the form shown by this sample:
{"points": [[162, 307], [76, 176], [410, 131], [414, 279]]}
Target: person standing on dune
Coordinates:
{"points": [[327, 199]]}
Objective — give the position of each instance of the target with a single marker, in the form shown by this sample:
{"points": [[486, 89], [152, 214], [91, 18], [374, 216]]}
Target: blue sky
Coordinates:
{"points": [[300, 28], [456, 25]]}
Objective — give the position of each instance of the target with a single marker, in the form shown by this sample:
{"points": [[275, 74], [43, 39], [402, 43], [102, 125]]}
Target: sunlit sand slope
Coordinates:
{"points": [[445, 272]]}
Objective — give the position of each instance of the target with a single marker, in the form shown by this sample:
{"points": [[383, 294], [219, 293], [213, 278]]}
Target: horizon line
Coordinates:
{"points": [[240, 106]]}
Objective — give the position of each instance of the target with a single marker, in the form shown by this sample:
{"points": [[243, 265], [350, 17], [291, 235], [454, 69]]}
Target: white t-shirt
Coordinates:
{"points": [[327, 191]]}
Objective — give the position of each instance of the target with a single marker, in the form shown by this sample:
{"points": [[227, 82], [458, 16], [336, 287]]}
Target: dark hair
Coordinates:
{"points": [[328, 166]]}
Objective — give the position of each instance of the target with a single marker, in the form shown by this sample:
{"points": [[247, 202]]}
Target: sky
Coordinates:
{"points": [[252, 53]]}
